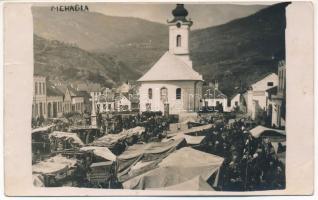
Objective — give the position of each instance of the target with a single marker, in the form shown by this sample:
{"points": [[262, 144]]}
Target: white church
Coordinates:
{"points": [[171, 85]]}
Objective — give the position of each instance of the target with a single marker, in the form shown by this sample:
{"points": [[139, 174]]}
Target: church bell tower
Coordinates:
{"points": [[179, 28]]}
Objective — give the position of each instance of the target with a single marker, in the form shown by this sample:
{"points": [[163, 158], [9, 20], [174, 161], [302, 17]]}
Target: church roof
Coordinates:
{"points": [[169, 67]]}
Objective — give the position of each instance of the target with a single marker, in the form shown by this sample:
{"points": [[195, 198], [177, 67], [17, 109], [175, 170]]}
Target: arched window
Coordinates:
{"points": [[164, 94], [178, 40], [178, 93], [149, 93], [36, 88]]}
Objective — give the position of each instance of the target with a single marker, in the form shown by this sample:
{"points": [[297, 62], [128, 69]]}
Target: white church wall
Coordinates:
{"points": [[176, 106]]}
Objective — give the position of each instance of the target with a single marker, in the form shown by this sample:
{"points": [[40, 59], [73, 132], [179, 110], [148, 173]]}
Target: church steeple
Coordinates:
{"points": [[179, 28]]}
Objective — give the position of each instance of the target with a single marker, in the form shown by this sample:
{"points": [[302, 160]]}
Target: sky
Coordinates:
{"points": [[203, 15]]}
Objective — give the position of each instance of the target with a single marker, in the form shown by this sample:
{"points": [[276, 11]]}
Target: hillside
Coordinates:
{"points": [[242, 50], [64, 62], [237, 52]]}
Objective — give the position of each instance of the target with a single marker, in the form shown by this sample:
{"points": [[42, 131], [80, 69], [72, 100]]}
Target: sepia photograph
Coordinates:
{"points": [[159, 96]]}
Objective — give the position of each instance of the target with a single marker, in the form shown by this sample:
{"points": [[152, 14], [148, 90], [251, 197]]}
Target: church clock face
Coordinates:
{"points": [[178, 24]]}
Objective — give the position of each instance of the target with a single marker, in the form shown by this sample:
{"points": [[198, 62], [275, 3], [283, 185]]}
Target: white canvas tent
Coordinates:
{"points": [[259, 130], [68, 136], [42, 129], [180, 166], [103, 152]]}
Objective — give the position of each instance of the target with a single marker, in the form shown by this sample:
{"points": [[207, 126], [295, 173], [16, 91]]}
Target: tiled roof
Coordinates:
{"points": [[170, 67]]}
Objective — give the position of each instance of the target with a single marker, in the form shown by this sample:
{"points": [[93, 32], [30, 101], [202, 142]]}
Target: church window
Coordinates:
{"points": [[178, 93], [270, 83], [149, 93], [164, 94], [178, 40]]}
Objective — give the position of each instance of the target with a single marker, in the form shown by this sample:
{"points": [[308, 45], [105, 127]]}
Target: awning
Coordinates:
{"points": [[259, 130], [54, 165], [67, 136], [193, 129], [191, 140], [111, 140], [103, 152], [155, 151], [180, 166], [42, 129]]}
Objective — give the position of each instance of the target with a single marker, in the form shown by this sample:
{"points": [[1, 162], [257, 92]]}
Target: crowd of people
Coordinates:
{"points": [[250, 163]]}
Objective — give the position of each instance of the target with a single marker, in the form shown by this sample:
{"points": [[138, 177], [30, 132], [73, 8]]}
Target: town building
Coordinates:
{"points": [[277, 103], [171, 85], [47, 100], [93, 89], [256, 97], [54, 102], [105, 104], [123, 88], [122, 103], [87, 101], [39, 106], [213, 98], [237, 103], [73, 101]]}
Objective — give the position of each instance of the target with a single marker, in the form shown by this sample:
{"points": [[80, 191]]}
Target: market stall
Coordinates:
{"points": [[54, 169], [64, 140], [140, 158], [111, 140], [178, 167]]}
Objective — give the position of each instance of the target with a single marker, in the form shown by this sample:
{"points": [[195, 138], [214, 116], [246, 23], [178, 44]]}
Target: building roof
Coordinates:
{"points": [[272, 90], [264, 76], [108, 98], [213, 93], [170, 67], [73, 92], [180, 14], [53, 91]]}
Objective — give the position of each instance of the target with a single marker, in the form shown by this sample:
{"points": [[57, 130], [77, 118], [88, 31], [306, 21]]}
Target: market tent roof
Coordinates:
{"points": [[170, 67], [54, 165], [259, 130], [192, 130], [112, 139], [191, 140], [103, 152], [195, 184], [42, 129], [100, 164], [180, 166], [138, 158], [67, 136]]}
